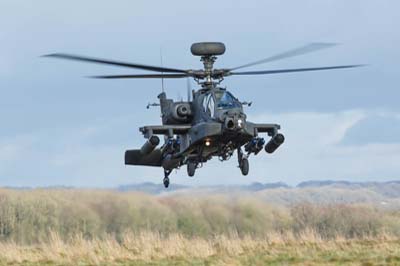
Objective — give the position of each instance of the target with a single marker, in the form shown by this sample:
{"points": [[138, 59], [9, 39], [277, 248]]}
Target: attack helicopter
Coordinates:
{"points": [[210, 124]]}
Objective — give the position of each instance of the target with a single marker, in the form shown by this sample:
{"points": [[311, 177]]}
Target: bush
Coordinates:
{"points": [[30, 216], [337, 220]]}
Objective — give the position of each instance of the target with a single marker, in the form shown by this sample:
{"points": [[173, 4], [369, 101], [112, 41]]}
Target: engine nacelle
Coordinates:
{"points": [[173, 113], [274, 143], [150, 145], [182, 112]]}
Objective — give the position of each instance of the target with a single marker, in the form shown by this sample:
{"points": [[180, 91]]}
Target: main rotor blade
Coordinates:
{"points": [[141, 76], [278, 71], [115, 63], [312, 47]]}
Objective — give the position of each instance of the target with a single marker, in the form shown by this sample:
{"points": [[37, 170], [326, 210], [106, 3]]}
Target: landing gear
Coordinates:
{"points": [[243, 162], [166, 182], [166, 178], [191, 168], [244, 166]]}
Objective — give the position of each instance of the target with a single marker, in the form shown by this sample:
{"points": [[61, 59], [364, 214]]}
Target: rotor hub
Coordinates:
{"points": [[208, 52]]}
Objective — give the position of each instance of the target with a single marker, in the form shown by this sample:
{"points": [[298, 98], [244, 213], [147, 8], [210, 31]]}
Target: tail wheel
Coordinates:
{"points": [[244, 166], [166, 182], [191, 168]]}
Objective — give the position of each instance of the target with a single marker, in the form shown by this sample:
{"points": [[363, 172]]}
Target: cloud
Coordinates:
{"points": [[317, 146], [382, 127], [7, 66], [50, 114], [87, 154], [12, 148]]}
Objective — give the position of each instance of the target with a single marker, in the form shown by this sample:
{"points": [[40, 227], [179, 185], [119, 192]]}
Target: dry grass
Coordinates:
{"points": [[149, 248], [98, 227]]}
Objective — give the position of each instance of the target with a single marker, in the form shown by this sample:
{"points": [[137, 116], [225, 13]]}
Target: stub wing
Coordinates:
{"points": [[150, 156], [168, 130], [256, 128], [136, 157]]}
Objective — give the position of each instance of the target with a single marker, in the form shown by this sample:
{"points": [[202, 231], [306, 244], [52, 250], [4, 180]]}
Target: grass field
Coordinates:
{"points": [[99, 227], [152, 249]]}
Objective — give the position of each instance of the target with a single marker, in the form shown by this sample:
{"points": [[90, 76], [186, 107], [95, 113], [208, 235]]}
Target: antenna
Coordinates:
{"points": [[188, 88], [179, 96], [162, 79]]}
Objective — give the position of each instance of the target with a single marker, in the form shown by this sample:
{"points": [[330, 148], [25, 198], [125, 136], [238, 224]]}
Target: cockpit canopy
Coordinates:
{"points": [[225, 100], [219, 100]]}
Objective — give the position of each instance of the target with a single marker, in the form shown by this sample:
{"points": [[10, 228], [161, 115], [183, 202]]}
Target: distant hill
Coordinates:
{"points": [[386, 194], [153, 188], [388, 189], [150, 188]]}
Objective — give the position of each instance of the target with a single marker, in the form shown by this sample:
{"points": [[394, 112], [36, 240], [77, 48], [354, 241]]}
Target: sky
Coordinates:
{"points": [[60, 128]]}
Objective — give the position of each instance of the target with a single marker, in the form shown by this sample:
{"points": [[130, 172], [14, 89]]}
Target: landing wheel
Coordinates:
{"points": [[191, 168], [166, 178], [244, 166], [166, 182]]}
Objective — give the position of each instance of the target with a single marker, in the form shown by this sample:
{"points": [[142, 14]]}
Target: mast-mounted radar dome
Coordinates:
{"points": [[207, 48]]}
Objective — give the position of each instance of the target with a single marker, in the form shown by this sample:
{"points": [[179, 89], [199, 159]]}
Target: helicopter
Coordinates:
{"points": [[212, 122]]}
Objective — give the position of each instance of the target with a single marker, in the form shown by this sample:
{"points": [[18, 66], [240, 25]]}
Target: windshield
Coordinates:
{"points": [[225, 100]]}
